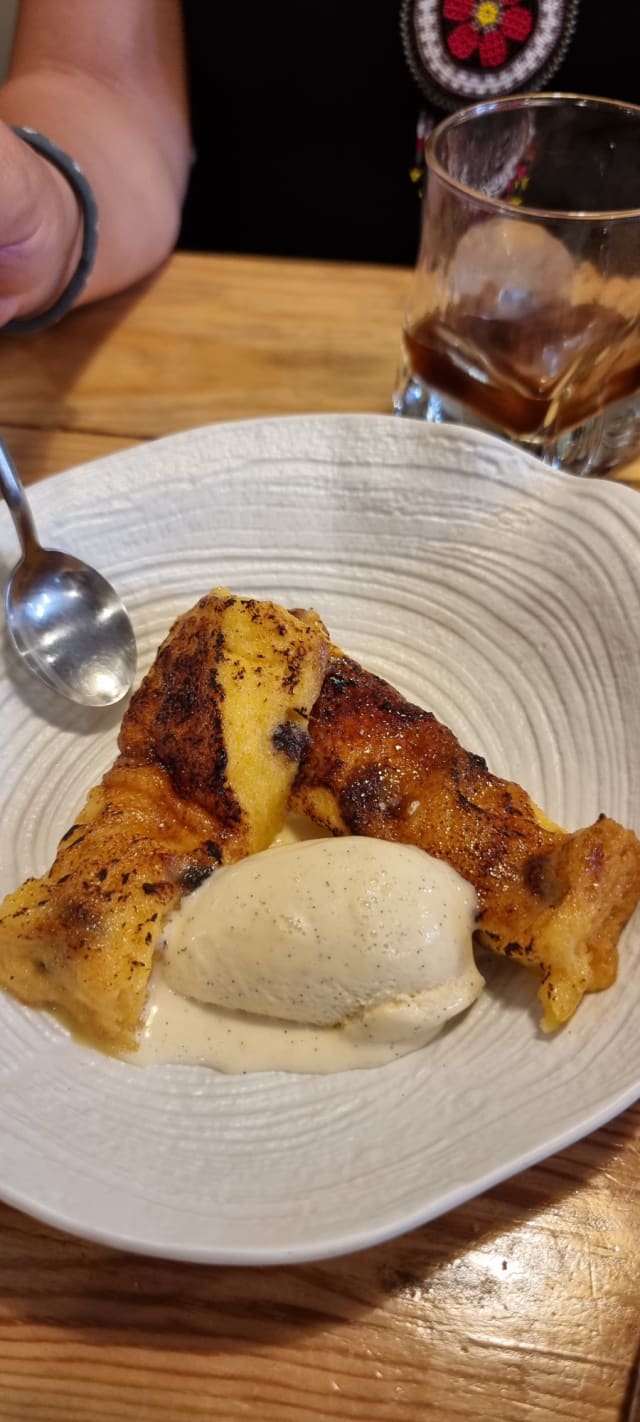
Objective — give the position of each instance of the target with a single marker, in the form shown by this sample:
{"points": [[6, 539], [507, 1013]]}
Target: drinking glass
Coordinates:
{"points": [[524, 316]]}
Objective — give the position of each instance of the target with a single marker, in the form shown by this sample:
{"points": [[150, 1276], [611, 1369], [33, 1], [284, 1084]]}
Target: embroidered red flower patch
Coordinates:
{"points": [[485, 28]]}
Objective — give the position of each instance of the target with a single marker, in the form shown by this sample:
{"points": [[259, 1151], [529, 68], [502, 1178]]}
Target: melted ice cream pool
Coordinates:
{"points": [[318, 955]]}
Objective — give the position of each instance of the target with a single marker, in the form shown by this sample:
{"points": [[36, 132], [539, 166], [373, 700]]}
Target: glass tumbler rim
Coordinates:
{"points": [[521, 211]]}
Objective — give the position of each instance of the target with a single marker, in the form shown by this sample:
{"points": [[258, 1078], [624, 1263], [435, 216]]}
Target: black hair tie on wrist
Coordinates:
{"points": [[84, 193]]}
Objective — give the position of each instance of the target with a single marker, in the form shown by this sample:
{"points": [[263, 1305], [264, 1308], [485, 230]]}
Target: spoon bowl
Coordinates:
{"points": [[64, 619], [70, 628]]}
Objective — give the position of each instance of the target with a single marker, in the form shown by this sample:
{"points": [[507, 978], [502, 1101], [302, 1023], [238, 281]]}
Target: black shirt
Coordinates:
{"points": [[304, 120]]}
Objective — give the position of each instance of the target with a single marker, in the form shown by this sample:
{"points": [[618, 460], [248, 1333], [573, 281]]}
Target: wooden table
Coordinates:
{"points": [[522, 1306]]}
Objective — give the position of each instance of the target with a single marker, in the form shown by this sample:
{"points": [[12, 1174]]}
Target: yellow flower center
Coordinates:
{"points": [[487, 13]]}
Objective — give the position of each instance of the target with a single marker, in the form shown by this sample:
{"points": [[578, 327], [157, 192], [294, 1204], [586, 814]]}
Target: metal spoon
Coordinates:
{"points": [[63, 618]]}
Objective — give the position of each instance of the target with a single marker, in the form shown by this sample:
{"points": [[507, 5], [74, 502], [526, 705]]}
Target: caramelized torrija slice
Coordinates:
{"points": [[208, 748], [556, 902]]}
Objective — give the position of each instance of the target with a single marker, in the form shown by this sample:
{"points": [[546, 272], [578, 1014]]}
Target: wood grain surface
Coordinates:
{"points": [[212, 338], [522, 1306]]}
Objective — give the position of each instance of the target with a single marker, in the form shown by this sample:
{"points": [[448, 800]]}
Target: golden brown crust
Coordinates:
{"points": [[377, 765], [81, 938], [208, 749]]}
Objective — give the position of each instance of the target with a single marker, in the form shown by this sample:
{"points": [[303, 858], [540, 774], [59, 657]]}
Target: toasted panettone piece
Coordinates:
{"points": [[557, 902], [208, 749]]}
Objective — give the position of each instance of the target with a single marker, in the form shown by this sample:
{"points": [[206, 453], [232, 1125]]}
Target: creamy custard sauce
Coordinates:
{"points": [[319, 955]]}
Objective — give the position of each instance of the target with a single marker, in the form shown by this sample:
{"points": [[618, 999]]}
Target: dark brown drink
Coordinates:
{"points": [[533, 377]]}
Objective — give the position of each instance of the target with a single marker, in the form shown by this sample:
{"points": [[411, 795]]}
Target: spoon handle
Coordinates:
{"points": [[16, 500]]}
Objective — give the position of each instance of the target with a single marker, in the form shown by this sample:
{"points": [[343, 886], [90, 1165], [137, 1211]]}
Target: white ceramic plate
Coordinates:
{"points": [[504, 598]]}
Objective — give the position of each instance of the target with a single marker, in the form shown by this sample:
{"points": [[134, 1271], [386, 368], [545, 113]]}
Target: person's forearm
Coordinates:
{"points": [[129, 133], [137, 190]]}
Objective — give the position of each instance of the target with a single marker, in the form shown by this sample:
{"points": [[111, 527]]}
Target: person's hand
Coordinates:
{"points": [[40, 230]]}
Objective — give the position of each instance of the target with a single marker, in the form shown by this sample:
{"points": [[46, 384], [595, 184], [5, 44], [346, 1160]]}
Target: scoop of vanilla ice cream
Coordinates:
{"points": [[372, 936]]}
